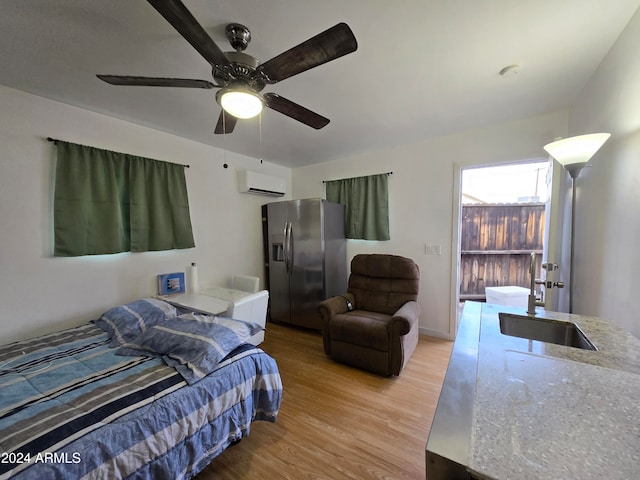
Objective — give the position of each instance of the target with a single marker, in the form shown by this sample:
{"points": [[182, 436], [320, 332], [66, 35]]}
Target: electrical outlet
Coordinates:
{"points": [[432, 249]]}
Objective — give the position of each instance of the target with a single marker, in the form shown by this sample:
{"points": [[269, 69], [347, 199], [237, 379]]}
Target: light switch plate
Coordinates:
{"points": [[432, 249]]}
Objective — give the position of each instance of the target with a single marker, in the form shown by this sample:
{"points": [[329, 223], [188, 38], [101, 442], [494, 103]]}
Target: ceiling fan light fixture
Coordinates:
{"points": [[240, 102]]}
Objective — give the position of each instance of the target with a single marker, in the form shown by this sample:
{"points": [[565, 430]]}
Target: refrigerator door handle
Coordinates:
{"points": [[287, 246], [284, 246], [291, 248]]}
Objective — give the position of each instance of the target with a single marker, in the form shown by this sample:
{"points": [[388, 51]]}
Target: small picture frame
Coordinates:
{"points": [[171, 283]]}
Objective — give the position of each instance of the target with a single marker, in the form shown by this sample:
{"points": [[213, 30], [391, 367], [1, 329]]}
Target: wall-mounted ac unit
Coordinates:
{"points": [[261, 183]]}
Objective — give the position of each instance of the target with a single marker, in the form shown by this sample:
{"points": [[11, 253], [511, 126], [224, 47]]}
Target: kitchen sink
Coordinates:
{"points": [[544, 330]]}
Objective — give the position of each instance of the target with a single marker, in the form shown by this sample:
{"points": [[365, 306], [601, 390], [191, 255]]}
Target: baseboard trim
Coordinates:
{"points": [[436, 333]]}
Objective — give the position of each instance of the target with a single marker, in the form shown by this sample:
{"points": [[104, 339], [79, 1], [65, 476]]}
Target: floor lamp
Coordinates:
{"points": [[573, 154]]}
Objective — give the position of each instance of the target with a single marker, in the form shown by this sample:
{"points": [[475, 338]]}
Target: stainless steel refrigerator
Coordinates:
{"points": [[305, 258]]}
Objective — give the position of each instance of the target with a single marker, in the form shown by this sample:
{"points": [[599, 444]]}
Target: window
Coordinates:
{"points": [[110, 202], [366, 201]]}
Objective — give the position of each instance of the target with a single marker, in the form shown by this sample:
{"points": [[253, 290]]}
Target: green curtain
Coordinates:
{"points": [[366, 201], [110, 202]]}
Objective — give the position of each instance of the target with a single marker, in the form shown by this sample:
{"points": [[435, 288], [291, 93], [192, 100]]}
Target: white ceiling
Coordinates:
{"points": [[423, 68]]}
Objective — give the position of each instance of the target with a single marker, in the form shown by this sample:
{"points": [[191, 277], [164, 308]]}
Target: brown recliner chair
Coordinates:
{"points": [[374, 326]]}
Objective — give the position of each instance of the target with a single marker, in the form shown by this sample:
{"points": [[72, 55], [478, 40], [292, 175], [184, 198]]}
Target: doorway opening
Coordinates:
{"points": [[501, 220]]}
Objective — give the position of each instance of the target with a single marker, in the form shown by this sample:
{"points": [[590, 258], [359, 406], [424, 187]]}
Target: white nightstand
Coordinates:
{"points": [[197, 303], [238, 304]]}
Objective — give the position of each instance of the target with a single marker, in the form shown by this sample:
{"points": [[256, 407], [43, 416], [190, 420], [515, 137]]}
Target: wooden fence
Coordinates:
{"points": [[496, 245]]}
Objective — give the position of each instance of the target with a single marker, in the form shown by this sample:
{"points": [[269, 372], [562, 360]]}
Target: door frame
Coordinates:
{"points": [[457, 227], [556, 246]]}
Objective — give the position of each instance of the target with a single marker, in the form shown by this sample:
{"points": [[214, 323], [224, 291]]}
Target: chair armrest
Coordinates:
{"points": [[405, 319], [328, 309], [334, 306]]}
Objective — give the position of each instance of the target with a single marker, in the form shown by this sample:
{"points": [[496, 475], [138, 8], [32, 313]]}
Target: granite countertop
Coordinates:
{"points": [[539, 410]]}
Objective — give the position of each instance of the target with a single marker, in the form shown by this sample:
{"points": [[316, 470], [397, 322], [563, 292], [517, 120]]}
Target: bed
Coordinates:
{"points": [[102, 401]]}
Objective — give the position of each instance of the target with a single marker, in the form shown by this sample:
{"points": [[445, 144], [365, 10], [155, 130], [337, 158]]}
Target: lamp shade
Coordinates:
{"points": [[239, 102], [576, 150]]}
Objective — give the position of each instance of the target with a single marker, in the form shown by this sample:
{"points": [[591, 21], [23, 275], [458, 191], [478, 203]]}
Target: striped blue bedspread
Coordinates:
{"points": [[72, 409]]}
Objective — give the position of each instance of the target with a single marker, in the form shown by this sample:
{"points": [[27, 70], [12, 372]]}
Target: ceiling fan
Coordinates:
{"points": [[242, 77]]}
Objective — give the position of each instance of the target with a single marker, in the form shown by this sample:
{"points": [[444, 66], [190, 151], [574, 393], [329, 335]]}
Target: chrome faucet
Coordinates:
{"points": [[533, 299]]}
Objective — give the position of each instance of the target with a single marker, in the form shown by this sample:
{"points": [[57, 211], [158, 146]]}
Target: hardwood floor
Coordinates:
{"points": [[336, 421]]}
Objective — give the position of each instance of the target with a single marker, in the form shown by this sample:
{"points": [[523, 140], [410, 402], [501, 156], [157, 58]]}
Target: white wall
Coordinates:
{"points": [[39, 293], [421, 197], [608, 205]]}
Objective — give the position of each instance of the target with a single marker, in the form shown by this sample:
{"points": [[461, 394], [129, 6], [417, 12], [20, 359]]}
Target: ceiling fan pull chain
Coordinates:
{"points": [[260, 127], [224, 139]]}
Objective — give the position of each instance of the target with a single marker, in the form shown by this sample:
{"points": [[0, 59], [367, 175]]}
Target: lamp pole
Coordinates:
{"points": [[574, 171]]}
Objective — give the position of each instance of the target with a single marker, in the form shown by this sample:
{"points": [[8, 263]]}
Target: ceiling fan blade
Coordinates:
{"points": [[295, 111], [324, 47], [185, 23], [226, 123], [155, 81]]}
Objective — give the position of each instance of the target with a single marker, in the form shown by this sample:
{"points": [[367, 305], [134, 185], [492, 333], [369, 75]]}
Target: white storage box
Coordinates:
{"points": [[512, 296]]}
